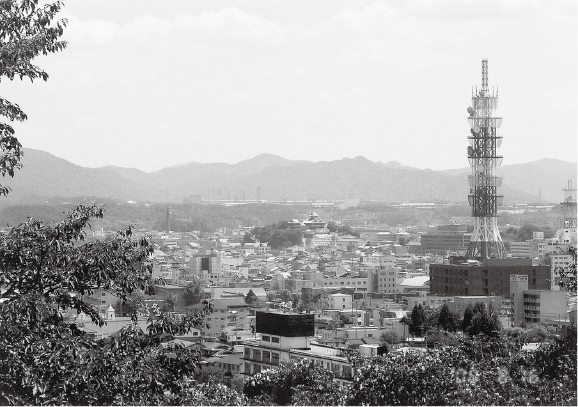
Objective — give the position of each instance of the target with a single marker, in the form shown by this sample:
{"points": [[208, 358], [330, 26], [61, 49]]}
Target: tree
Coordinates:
{"points": [[306, 297], [295, 383], [251, 298], [332, 226], [26, 31], [568, 275], [347, 230], [417, 320], [295, 300], [485, 320], [45, 359], [170, 302], [468, 316], [193, 294], [285, 295], [447, 320], [389, 337]]}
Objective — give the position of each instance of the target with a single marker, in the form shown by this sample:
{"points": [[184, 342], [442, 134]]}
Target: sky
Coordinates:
{"points": [[147, 85]]}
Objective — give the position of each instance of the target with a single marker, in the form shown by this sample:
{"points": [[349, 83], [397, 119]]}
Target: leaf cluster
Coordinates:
{"points": [[47, 271], [26, 31]]}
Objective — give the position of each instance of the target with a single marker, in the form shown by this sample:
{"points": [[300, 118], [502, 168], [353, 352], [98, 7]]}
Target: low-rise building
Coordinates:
{"points": [[536, 306], [286, 336]]}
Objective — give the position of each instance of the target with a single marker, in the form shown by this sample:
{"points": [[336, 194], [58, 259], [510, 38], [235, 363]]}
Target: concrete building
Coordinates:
{"points": [[280, 334], [520, 249], [225, 314], [340, 301], [286, 336], [423, 299], [206, 267], [528, 249], [452, 238], [460, 303], [534, 306], [489, 277], [388, 280]]}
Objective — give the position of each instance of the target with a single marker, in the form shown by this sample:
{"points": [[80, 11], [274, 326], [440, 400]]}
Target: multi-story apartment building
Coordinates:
{"points": [[528, 249], [340, 301], [206, 267], [490, 277], [520, 249], [388, 280], [377, 260], [535, 306], [452, 238], [225, 313], [316, 280]]}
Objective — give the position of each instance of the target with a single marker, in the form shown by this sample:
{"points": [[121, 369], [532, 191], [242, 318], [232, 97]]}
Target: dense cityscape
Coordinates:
{"points": [[234, 301]]}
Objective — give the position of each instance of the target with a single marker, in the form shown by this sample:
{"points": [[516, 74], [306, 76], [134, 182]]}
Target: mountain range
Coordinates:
{"points": [[271, 177]]}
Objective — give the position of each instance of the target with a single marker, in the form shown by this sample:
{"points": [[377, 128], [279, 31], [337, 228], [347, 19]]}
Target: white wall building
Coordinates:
{"points": [[340, 301]]}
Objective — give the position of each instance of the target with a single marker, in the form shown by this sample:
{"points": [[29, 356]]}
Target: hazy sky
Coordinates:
{"points": [[149, 84]]}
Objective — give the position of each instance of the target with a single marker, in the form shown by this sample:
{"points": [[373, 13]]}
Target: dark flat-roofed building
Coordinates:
{"points": [[489, 277]]}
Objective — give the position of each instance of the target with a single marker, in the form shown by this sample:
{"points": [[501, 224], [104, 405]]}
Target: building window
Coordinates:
{"points": [[266, 338], [274, 339], [266, 356]]}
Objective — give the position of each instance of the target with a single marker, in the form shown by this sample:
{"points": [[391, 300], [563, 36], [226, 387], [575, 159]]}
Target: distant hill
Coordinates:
{"points": [[548, 176], [45, 176]]}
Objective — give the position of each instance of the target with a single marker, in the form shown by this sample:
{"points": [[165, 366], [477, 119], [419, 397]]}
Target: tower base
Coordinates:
{"points": [[486, 250]]}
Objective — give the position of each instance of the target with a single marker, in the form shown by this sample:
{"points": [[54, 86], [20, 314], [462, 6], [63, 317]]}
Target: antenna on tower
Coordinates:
{"points": [[484, 199], [168, 218], [569, 206], [484, 77]]}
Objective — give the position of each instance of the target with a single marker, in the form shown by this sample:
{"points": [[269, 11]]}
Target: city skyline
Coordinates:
{"points": [[148, 87]]}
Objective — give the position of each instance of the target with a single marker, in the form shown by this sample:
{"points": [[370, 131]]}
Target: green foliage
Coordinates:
{"points": [[568, 275], [295, 383], [484, 320], [45, 359], [419, 320], [278, 236], [251, 298], [193, 294], [447, 320], [477, 370], [207, 218], [284, 295], [468, 316], [26, 31], [389, 337], [211, 394], [332, 226], [347, 230]]}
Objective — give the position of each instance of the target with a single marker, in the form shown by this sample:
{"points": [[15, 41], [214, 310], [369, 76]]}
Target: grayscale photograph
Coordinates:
{"points": [[288, 202]]}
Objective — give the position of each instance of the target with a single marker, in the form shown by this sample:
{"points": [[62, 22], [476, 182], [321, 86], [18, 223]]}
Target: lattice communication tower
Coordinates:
{"points": [[486, 241], [569, 206]]}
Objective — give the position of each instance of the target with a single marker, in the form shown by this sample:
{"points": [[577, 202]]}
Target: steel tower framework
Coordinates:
{"points": [[569, 206], [486, 241]]}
